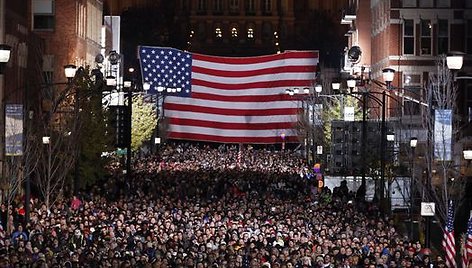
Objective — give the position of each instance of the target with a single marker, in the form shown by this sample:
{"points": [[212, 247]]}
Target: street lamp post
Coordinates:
{"points": [[413, 144], [70, 70], [129, 92]]}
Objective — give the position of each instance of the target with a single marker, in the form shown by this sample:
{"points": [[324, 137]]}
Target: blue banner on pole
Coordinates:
{"points": [[13, 129], [443, 134]]}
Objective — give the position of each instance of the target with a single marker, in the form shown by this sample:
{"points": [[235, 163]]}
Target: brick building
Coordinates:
{"points": [[408, 36], [71, 31], [45, 35], [234, 28]]}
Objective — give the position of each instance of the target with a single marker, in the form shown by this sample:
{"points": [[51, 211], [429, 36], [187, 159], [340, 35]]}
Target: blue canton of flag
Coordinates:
{"points": [[166, 69]]}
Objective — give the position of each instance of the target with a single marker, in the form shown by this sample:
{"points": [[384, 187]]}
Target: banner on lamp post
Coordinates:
{"points": [[349, 113], [13, 129], [315, 111], [443, 134]]}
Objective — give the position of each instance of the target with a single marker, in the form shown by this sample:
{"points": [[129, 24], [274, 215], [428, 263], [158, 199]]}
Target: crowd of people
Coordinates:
{"points": [[194, 206]]}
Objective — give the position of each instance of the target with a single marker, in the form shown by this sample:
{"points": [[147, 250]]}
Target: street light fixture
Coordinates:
{"points": [[5, 51], [318, 88], [454, 60], [388, 74], [110, 81], [390, 137], [336, 86], [351, 83], [467, 154], [69, 71], [46, 140], [413, 142]]}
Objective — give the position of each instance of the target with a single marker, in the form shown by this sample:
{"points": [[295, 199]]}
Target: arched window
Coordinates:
{"points": [[267, 32], [250, 6], [218, 5], [202, 5], [266, 6], [201, 32], [234, 6]]}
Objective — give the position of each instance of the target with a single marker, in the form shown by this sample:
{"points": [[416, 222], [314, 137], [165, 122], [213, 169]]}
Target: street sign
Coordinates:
{"points": [[428, 209]]}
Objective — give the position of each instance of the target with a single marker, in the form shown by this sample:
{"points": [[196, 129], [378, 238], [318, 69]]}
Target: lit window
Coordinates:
{"points": [[250, 33], [234, 32], [218, 32], [43, 15], [425, 37]]}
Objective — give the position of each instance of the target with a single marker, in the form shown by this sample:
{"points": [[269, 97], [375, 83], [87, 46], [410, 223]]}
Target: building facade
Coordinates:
{"points": [[71, 31], [409, 37], [44, 36]]}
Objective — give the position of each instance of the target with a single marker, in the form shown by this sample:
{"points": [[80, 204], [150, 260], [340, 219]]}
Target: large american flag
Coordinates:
{"points": [[449, 242], [467, 253], [229, 99]]}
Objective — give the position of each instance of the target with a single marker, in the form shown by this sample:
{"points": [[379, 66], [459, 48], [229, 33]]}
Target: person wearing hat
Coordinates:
{"points": [[77, 240]]}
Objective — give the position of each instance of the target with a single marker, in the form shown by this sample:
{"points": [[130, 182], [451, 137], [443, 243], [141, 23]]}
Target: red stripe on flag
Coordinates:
{"points": [[240, 86], [274, 70], [222, 125], [259, 59], [245, 98], [222, 139], [222, 111]]}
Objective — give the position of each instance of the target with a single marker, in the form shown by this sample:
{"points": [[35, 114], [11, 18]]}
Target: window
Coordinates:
{"points": [[425, 37], [411, 106], [408, 37], [409, 3], [267, 33], [43, 15], [250, 6], [201, 32], [469, 37], [426, 3], [234, 6], [201, 5], [443, 36], [266, 6], [443, 3], [218, 5]]}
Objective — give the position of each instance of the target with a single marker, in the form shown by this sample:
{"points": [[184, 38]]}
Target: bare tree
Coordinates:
{"points": [[59, 129], [441, 94], [20, 165]]}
